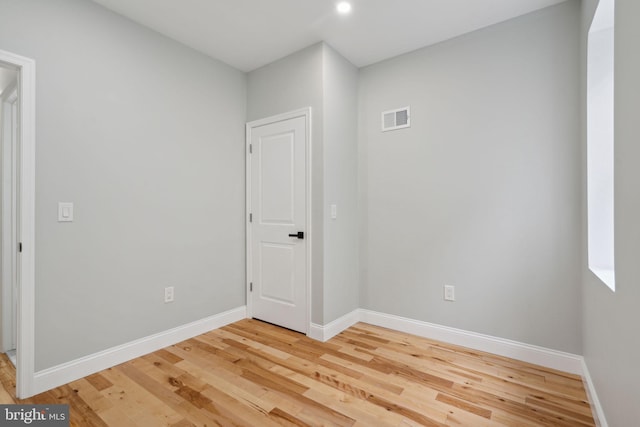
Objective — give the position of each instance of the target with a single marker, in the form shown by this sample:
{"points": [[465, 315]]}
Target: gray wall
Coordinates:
{"points": [[289, 84], [610, 320], [340, 140], [146, 137], [483, 191]]}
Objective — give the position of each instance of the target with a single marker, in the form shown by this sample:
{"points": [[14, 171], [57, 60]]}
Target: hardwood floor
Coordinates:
{"points": [[255, 374]]}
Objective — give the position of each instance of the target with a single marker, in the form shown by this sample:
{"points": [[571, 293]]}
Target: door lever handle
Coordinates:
{"points": [[299, 235]]}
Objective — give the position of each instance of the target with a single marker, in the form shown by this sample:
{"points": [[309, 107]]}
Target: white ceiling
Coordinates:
{"points": [[250, 33]]}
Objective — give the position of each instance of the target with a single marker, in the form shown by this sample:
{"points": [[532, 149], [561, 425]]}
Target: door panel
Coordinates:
{"points": [[276, 157], [278, 204], [277, 263]]}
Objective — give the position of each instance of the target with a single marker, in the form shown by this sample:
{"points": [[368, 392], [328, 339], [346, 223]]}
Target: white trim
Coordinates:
{"points": [[309, 227], [316, 332], [62, 374], [330, 330], [596, 407], [555, 359], [247, 227], [606, 276], [26, 288], [306, 113]]}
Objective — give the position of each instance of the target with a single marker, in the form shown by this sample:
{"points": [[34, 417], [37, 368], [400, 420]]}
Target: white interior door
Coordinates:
{"points": [[277, 231]]}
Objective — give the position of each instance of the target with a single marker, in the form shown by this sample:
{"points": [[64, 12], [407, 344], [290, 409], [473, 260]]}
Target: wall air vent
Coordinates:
{"points": [[396, 119]]}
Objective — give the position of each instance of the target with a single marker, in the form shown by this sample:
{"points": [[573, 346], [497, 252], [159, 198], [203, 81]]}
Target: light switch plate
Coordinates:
{"points": [[334, 211], [168, 294], [65, 212], [449, 293]]}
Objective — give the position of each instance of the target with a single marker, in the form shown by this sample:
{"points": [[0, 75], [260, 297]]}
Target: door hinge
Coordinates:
{"points": [[250, 148], [250, 217], [20, 247], [250, 286]]}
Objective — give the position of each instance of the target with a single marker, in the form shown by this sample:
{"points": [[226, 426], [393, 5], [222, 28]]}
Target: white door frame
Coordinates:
{"points": [[25, 347], [306, 113]]}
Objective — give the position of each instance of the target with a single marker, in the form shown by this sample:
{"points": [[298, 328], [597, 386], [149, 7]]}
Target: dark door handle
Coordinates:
{"points": [[299, 235]]}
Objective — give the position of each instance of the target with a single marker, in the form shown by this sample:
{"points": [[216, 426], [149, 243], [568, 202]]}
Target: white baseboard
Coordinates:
{"points": [[596, 407], [316, 332], [330, 330], [62, 374], [549, 358]]}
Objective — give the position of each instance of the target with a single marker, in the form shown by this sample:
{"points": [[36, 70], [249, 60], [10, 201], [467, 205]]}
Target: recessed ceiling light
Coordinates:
{"points": [[343, 7]]}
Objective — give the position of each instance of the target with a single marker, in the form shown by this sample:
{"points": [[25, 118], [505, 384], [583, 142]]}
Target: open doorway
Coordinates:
{"points": [[9, 138], [19, 133]]}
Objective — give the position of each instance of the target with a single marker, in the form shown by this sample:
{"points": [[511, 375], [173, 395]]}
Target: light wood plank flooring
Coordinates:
{"points": [[255, 374]]}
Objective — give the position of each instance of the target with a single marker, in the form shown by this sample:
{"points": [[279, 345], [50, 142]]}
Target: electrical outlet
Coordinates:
{"points": [[449, 293], [168, 294]]}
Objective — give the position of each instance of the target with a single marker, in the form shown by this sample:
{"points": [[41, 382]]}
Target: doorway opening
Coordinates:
{"points": [[17, 228], [9, 137]]}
